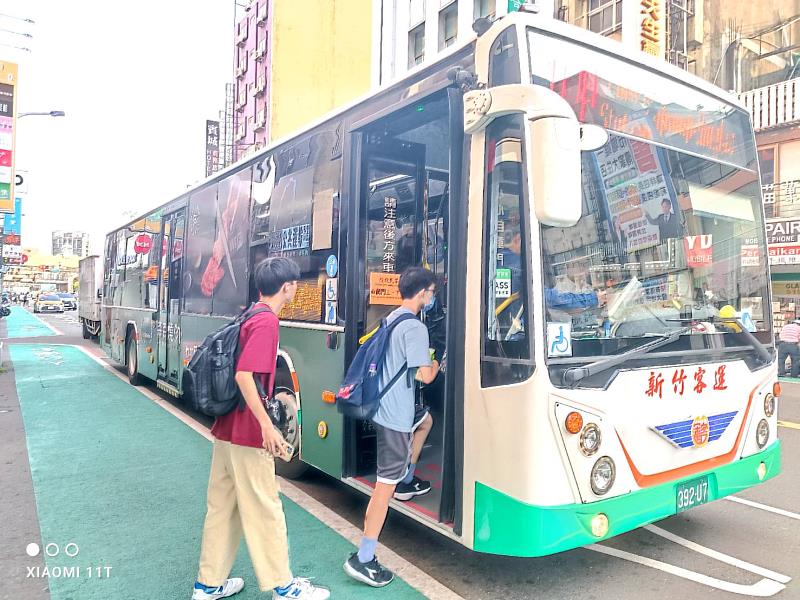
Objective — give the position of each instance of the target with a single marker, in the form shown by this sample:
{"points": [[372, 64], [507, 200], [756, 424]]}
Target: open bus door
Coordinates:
{"points": [[167, 317], [403, 210]]}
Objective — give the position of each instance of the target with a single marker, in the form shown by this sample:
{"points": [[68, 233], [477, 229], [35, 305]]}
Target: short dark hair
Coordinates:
{"points": [[414, 280], [272, 273], [666, 201]]}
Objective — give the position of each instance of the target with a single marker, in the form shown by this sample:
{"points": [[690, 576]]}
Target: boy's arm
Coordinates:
{"points": [[417, 344], [427, 374], [273, 441]]}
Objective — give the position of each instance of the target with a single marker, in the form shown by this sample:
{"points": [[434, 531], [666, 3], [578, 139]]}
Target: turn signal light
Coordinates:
{"points": [[574, 422], [328, 397], [776, 389]]}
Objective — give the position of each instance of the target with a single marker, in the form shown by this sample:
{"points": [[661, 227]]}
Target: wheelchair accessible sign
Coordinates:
{"points": [[559, 339]]}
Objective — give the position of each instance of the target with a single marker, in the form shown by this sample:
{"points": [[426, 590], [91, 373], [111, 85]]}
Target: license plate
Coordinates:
{"points": [[691, 493]]}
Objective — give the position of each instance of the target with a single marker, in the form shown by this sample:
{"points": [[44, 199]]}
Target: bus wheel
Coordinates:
{"points": [[290, 428], [132, 362]]}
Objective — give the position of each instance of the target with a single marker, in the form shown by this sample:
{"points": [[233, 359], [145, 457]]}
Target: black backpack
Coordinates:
{"points": [[209, 380], [359, 396]]}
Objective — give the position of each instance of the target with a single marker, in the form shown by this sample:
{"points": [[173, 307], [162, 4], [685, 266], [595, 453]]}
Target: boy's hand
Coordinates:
{"points": [[273, 440]]}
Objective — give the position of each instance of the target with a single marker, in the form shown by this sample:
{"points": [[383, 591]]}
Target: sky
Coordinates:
{"points": [[137, 81]]}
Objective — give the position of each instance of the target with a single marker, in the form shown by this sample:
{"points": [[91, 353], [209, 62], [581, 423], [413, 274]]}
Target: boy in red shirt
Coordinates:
{"points": [[242, 490]]}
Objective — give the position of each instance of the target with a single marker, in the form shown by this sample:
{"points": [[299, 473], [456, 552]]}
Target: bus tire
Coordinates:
{"points": [[295, 468], [132, 361]]}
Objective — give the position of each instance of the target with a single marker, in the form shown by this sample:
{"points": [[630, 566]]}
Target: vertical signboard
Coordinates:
{"points": [[212, 147], [8, 82], [12, 224], [644, 26]]}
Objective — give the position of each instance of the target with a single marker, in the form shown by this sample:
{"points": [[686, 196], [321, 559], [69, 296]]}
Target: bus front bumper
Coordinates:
{"points": [[507, 526]]}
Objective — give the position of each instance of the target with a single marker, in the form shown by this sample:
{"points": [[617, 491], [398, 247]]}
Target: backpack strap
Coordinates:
{"points": [[245, 315], [393, 380]]}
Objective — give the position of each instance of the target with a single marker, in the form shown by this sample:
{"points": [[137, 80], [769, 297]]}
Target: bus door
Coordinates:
{"points": [[390, 200], [403, 220], [170, 282]]}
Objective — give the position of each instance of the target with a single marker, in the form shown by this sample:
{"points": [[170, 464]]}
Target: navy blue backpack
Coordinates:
{"points": [[359, 396]]}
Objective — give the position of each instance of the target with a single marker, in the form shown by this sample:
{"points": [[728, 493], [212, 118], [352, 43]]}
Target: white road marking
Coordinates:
{"points": [[718, 555], [772, 509], [412, 575], [762, 588]]}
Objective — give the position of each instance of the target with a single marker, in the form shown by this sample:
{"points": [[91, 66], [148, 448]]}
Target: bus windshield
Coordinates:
{"points": [[672, 233]]}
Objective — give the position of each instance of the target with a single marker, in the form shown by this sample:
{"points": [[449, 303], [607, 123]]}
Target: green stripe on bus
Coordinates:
{"points": [[504, 525]]}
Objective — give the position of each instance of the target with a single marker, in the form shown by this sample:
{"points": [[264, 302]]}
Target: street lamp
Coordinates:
{"points": [[52, 113]]}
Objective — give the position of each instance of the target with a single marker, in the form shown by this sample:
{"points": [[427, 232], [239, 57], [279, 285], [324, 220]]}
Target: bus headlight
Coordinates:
{"points": [[769, 405], [602, 476], [590, 439], [762, 433]]}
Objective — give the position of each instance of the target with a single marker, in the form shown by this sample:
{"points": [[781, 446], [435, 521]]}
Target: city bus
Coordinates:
{"points": [[594, 221]]}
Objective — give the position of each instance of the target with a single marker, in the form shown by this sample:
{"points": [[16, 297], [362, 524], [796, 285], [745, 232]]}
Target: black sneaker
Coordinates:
{"points": [[372, 573], [417, 487]]}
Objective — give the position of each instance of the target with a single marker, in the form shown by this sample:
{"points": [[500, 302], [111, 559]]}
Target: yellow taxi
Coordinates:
{"points": [[48, 303]]}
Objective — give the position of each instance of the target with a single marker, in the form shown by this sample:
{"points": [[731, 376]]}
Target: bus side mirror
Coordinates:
{"points": [[554, 170], [552, 142]]}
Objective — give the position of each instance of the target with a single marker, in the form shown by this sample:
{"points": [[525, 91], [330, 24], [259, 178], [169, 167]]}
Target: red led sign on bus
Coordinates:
{"points": [[710, 133]]}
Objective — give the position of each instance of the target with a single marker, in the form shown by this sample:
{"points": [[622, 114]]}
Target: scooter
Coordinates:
{"points": [[5, 308]]}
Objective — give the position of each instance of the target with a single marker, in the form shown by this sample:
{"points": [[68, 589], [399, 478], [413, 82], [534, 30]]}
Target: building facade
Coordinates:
{"points": [[415, 32], [294, 62], [70, 243], [38, 272]]}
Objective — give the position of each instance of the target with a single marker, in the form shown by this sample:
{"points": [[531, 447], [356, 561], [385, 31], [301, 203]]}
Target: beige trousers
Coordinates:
{"points": [[243, 498]]}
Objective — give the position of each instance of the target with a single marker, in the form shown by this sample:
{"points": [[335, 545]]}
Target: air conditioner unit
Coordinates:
{"points": [[241, 131], [261, 50], [241, 33], [694, 32], [261, 119], [260, 85]]}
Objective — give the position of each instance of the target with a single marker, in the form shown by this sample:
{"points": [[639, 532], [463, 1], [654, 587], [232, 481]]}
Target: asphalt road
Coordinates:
{"points": [[705, 561]]}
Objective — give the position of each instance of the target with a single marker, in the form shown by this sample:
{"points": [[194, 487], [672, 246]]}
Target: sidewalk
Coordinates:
{"points": [[124, 482]]}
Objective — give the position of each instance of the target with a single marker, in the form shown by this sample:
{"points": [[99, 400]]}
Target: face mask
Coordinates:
{"points": [[429, 305]]}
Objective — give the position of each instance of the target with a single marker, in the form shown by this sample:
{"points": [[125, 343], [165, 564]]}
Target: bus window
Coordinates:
{"points": [[225, 275], [134, 269], [199, 245], [150, 277], [118, 278], [295, 215], [506, 344]]}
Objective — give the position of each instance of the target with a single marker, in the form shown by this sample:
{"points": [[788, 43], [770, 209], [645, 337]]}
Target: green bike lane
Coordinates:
{"points": [[124, 482], [22, 324]]}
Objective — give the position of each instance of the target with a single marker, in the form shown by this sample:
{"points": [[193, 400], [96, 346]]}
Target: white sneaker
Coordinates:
{"points": [[229, 588], [302, 589]]}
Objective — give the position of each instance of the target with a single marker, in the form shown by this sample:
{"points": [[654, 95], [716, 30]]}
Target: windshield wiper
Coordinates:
{"points": [[575, 374], [762, 352]]}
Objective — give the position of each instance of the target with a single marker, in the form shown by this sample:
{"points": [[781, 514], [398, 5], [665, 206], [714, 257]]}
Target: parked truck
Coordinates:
{"points": [[90, 295]]}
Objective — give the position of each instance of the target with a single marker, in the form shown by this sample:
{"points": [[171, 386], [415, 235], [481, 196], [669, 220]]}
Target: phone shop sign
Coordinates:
{"points": [[783, 241]]}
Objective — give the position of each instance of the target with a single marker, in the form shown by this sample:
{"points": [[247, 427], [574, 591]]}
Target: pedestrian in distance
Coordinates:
{"points": [[787, 347], [401, 428], [242, 488]]}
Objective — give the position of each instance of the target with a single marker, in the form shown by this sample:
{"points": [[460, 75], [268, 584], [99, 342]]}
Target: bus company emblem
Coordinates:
{"points": [[696, 432], [700, 431]]}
